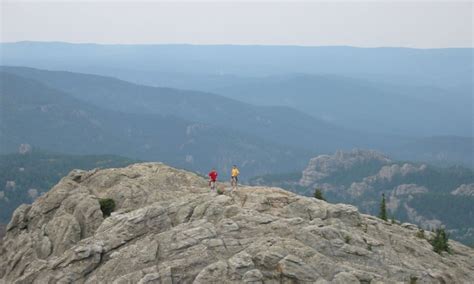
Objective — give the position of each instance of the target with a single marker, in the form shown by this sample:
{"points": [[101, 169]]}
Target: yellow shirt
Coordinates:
{"points": [[235, 172]]}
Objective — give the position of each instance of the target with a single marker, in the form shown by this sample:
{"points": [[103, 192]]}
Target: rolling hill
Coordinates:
{"points": [[277, 124], [207, 66], [362, 104], [53, 120]]}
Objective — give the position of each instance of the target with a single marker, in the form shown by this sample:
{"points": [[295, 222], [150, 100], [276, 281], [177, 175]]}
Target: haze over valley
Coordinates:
{"points": [[235, 109], [236, 142]]}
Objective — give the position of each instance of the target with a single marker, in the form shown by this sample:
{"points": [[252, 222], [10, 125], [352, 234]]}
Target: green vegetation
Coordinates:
{"points": [[347, 239], [25, 177], [107, 206], [438, 180], [318, 194], [453, 210], [383, 209], [87, 114], [420, 234], [413, 279], [347, 176], [440, 241]]}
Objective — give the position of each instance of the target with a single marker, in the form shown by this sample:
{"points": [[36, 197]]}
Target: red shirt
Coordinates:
{"points": [[213, 175]]}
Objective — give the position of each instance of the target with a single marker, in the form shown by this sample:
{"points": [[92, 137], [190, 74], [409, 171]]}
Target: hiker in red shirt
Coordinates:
{"points": [[212, 179]]}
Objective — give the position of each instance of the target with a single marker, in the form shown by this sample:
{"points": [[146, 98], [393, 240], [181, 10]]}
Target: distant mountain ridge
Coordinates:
{"points": [[54, 120], [278, 124], [407, 93], [439, 150], [448, 67], [362, 104]]}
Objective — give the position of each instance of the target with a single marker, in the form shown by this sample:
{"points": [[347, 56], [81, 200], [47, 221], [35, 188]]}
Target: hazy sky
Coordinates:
{"points": [[424, 24]]}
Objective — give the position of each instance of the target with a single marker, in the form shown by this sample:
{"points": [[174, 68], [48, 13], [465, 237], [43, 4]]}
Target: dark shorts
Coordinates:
{"points": [[235, 178]]}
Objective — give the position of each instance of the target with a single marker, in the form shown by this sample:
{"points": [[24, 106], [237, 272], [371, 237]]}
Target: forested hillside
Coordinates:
{"points": [[362, 104], [51, 119], [24, 177], [276, 124]]}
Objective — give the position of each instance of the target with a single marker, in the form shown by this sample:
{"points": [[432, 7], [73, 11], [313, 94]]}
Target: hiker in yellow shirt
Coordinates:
{"points": [[234, 176]]}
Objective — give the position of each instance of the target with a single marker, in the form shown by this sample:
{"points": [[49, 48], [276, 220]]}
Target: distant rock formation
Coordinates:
{"points": [[324, 165], [168, 228], [465, 189], [387, 174], [407, 189], [24, 149]]}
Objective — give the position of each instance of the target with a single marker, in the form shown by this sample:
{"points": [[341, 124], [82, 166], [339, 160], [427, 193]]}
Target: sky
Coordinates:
{"points": [[423, 24]]}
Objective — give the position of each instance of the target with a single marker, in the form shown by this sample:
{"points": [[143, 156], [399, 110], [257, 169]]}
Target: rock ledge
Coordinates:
{"points": [[168, 228]]}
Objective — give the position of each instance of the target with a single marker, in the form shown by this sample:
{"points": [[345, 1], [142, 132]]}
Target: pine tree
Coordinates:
{"points": [[440, 241], [318, 194], [383, 209]]}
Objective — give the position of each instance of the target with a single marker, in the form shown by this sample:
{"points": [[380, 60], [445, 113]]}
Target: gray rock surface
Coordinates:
{"points": [[168, 228], [408, 189]]}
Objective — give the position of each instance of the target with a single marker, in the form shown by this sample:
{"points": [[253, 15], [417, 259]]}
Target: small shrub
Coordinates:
{"points": [[420, 234], [369, 247], [107, 206], [413, 279], [347, 239], [220, 191], [318, 194], [440, 241]]}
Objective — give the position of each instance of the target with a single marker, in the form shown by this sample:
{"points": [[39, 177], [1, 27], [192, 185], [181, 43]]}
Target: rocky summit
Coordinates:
{"points": [[168, 227]]}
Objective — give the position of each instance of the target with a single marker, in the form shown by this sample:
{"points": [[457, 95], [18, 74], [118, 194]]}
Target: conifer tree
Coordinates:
{"points": [[383, 209], [318, 194], [440, 241]]}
